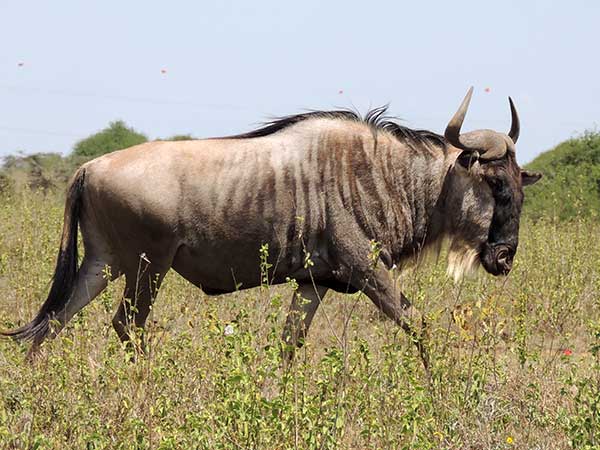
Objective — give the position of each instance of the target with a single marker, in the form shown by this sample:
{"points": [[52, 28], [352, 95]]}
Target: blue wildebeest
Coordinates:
{"points": [[325, 183]]}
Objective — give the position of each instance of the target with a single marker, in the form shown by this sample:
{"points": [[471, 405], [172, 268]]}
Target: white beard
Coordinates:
{"points": [[462, 260]]}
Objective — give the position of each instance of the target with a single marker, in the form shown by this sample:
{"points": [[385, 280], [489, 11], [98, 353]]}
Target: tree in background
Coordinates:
{"points": [[116, 136], [44, 171], [39, 171]]}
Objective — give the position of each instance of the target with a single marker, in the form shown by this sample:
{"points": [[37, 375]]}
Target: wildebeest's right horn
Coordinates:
{"points": [[515, 125], [452, 132]]}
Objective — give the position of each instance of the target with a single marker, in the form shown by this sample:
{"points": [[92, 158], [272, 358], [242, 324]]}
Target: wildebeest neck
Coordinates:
{"points": [[391, 187]]}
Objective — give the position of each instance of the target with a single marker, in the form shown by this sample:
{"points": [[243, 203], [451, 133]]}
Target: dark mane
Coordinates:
{"points": [[376, 118]]}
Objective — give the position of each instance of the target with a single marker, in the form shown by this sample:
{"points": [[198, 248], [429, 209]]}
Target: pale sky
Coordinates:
{"points": [[210, 68]]}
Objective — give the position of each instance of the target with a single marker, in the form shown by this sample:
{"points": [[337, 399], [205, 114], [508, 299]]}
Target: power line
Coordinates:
{"points": [[123, 98], [38, 131], [164, 101]]}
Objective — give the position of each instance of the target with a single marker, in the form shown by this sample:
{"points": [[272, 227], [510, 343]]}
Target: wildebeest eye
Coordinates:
{"points": [[468, 158]]}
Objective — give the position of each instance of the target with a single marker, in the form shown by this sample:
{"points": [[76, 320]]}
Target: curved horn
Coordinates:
{"points": [[515, 125], [495, 146], [452, 132]]}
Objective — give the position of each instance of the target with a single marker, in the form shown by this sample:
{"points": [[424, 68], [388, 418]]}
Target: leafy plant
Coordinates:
{"points": [[116, 136]]}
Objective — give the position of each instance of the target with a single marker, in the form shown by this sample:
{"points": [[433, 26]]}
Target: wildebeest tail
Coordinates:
{"points": [[65, 273]]}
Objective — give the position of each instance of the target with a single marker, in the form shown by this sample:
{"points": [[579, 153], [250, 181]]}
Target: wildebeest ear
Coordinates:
{"points": [[528, 178], [467, 158]]}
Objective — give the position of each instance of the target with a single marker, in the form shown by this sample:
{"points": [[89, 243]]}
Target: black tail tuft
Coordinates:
{"points": [[65, 272]]}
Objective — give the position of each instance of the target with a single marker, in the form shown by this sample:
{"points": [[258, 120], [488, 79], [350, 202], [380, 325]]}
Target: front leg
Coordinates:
{"points": [[304, 305], [378, 285]]}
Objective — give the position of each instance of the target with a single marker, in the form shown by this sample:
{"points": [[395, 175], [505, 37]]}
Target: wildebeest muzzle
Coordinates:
{"points": [[497, 259]]}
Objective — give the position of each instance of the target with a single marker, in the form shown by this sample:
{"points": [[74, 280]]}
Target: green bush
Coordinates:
{"points": [[116, 136], [180, 137], [571, 183]]}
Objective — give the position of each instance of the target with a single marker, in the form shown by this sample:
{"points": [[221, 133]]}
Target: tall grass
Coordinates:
{"points": [[515, 361]]}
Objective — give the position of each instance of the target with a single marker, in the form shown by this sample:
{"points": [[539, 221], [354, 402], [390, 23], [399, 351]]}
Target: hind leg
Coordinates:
{"points": [[140, 292], [91, 281]]}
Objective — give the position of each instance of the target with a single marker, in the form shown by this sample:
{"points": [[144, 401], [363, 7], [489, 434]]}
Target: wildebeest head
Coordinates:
{"points": [[486, 163]]}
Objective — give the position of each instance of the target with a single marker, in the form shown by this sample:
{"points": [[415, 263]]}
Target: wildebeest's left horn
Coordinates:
{"points": [[515, 125], [452, 132]]}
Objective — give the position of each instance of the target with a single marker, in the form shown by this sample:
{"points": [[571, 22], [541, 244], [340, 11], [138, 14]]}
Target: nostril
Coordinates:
{"points": [[505, 265], [504, 260], [502, 256]]}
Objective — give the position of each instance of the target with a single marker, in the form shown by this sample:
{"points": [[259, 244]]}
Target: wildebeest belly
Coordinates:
{"points": [[222, 267]]}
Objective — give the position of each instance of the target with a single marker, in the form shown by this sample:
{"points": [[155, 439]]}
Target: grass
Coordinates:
{"points": [[515, 360]]}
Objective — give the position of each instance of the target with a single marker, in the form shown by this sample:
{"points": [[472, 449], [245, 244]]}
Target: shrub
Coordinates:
{"points": [[116, 136], [37, 171], [571, 183], [180, 137]]}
